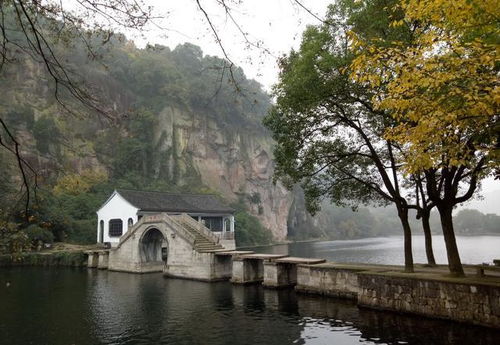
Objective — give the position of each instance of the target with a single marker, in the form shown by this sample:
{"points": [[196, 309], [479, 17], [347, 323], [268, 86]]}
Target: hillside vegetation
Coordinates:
{"points": [[81, 156]]}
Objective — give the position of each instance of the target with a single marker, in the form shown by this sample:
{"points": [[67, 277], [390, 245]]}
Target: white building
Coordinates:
{"points": [[125, 207]]}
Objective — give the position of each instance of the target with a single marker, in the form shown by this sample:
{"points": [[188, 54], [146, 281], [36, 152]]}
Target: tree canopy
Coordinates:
{"points": [[392, 101], [443, 86], [329, 136]]}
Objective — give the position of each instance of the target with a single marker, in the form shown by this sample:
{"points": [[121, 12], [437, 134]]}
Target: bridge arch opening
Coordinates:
{"points": [[151, 246]]}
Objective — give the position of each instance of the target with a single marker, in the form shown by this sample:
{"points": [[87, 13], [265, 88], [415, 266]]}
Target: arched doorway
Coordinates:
{"points": [[151, 246]]}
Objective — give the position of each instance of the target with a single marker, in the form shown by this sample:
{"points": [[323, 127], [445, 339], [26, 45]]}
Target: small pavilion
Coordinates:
{"points": [[125, 207]]}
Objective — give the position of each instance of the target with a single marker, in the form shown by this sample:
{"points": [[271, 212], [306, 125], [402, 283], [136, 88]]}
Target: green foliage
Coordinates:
{"points": [[74, 259], [6, 181], [69, 216], [473, 222], [351, 224], [13, 241], [183, 77], [329, 138], [38, 236], [248, 229], [82, 231], [135, 151], [372, 222]]}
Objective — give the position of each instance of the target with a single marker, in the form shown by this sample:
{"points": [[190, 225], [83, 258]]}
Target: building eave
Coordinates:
{"points": [[115, 192]]}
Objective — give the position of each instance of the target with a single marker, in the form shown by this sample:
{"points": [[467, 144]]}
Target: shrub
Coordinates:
{"points": [[12, 240], [38, 235], [249, 231], [82, 231]]}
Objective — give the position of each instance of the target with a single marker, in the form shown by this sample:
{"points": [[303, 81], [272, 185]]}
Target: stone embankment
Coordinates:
{"points": [[476, 303], [428, 292]]}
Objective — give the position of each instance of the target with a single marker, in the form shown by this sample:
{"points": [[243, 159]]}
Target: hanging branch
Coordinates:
{"points": [[35, 44]]}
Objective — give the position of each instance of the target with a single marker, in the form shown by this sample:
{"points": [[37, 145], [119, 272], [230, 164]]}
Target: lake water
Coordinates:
{"points": [[82, 306], [389, 250]]}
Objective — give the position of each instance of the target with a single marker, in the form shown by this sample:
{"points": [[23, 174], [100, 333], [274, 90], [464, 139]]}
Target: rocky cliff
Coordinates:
{"points": [[197, 128], [235, 161]]}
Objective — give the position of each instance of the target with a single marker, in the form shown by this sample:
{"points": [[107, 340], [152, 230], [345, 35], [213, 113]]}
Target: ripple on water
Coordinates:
{"points": [[100, 307]]}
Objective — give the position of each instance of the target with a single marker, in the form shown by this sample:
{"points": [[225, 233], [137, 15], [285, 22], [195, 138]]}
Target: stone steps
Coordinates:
{"points": [[208, 247], [201, 242]]}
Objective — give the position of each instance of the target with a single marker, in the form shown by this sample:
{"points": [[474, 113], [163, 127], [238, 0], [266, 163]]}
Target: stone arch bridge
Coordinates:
{"points": [[177, 245], [181, 247]]}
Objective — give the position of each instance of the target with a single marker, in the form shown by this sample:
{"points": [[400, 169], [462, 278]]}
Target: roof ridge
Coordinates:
{"points": [[160, 192]]}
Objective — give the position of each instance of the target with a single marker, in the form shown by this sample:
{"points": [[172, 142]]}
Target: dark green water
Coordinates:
{"points": [[79, 306]]}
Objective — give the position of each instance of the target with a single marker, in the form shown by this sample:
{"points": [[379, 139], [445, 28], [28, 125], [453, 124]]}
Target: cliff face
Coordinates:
{"points": [[235, 161], [192, 138]]}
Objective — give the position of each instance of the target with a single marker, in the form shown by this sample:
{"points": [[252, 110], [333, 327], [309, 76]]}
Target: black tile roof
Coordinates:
{"points": [[169, 202]]}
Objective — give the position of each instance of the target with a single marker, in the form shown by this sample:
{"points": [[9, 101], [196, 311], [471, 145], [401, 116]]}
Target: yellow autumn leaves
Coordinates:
{"points": [[79, 183], [442, 87]]}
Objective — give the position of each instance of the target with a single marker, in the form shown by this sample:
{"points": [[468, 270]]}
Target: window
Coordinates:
{"points": [[115, 227], [130, 222], [213, 223]]}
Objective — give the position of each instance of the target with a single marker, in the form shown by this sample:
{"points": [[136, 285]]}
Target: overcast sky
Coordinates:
{"points": [[276, 24]]}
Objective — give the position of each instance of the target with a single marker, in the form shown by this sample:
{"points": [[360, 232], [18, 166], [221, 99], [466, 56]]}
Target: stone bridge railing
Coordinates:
{"points": [[179, 228], [225, 235], [198, 226], [159, 218]]}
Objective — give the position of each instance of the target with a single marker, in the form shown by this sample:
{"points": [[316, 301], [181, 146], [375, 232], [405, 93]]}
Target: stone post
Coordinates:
{"points": [[247, 271], [279, 275], [92, 259], [103, 260]]}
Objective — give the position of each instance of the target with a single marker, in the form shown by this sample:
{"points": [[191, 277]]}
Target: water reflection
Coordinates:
{"points": [[64, 306]]}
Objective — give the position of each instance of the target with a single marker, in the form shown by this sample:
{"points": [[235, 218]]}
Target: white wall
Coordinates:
{"points": [[115, 208]]}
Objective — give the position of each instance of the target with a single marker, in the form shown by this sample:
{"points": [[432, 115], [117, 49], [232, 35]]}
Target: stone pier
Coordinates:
{"points": [[103, 260], [248, 269], [329, 279], [282, 273], [98, 259], [92, 259], [223, 262]]}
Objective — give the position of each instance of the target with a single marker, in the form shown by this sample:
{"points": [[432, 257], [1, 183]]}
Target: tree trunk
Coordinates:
{"points": [[454, 263], [403, 216], [428, 238]]}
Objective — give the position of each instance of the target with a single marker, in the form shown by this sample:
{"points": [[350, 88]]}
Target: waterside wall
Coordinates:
{"points": [[472, 303], [465, 300]]}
